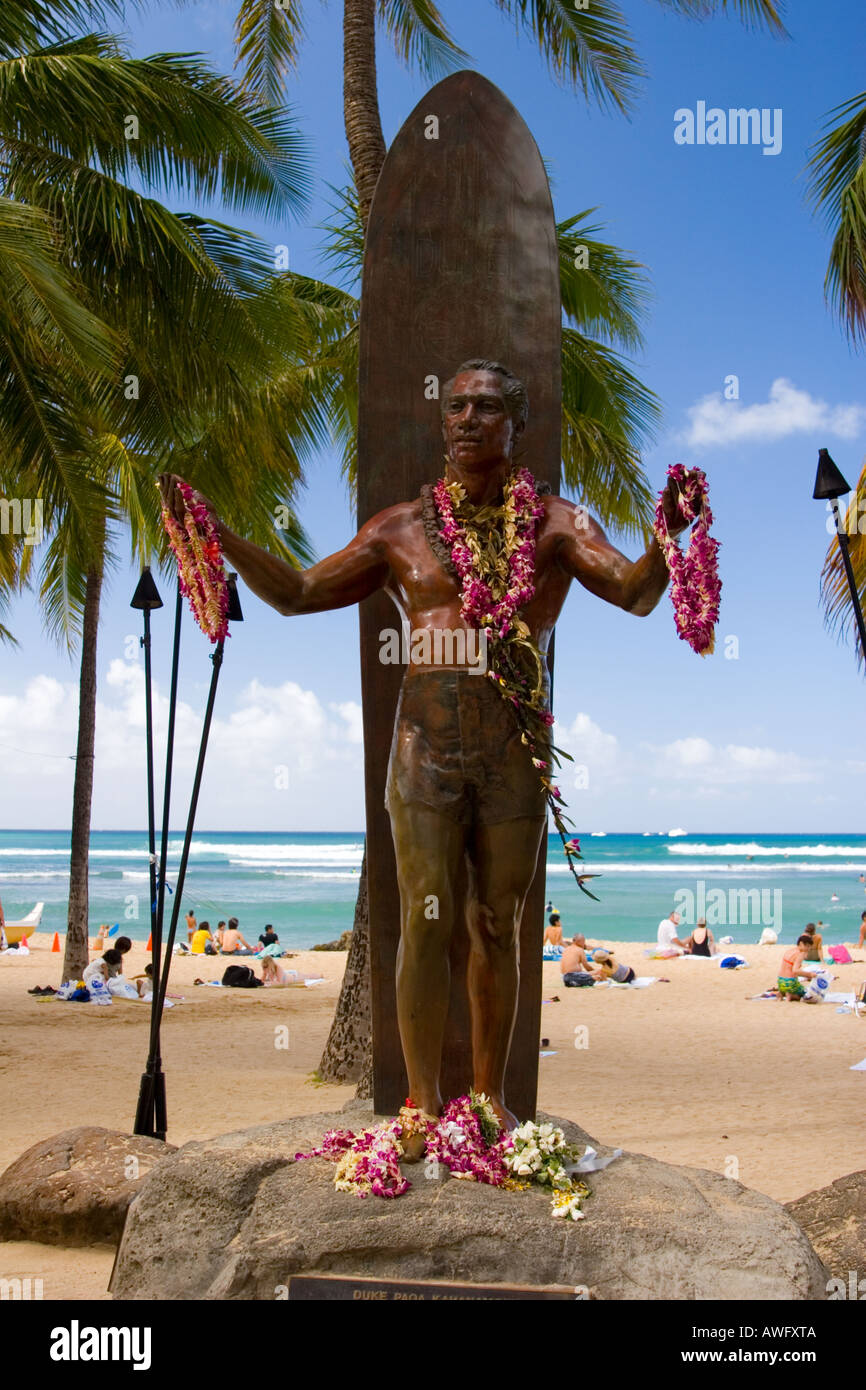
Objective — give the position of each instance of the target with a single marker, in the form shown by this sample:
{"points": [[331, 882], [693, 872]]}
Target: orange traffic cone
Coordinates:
{"points": [[23, 942], [55, 945], [149, 946]]}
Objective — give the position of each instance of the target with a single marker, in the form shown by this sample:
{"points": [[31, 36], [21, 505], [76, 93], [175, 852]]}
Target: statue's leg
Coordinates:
{"points": [[504, 857], [429, 847]]}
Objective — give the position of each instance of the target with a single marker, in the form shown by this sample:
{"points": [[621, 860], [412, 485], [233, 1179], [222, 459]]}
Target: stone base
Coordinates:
{"points": [[834, 1219], [235, 1216]]}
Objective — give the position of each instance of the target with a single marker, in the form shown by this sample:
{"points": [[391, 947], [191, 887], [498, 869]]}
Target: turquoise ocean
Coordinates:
{"points": [[305, 884]]}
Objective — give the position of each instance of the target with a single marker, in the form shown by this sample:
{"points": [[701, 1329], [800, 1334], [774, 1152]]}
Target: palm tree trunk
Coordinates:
{"points": [[77, 950], [361, 99], [348, 1054], [348, 1045]]}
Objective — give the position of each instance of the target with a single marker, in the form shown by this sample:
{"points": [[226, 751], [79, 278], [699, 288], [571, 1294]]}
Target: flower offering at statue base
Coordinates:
{"points": [[200, 566], [468, 1142]]}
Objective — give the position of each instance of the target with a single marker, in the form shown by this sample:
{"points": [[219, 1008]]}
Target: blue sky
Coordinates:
{"points": [[772, 740]]}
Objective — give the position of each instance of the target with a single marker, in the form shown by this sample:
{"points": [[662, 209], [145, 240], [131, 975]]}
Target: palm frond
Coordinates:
{"points": [[420, 37], [603, 291], [590, 48], [756, 14], [268, 34], [607, 416], [169, 120], [837, 188]]}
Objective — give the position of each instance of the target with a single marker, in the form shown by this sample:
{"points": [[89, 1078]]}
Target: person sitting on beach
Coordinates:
{"points": [[233, 943], [701, 941], [605, 966], [553, 931], [144, 983], [814, 952], [792, 974], [667, 934], [275, 974], [862, 930], [269, 936], [574, 955], [107, 967], [202, 943], [575, 965], [220, 933]]}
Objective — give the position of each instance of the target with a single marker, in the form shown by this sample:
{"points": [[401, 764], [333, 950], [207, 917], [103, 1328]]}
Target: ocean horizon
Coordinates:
{"points": [[305, 882]]}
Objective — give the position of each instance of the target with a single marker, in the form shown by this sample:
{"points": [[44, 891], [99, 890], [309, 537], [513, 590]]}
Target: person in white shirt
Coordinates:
{"points": [[667, 933]]}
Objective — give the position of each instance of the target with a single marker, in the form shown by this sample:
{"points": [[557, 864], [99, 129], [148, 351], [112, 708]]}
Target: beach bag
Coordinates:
{"points": [[240, 977], [840, 954], [577, 979]]}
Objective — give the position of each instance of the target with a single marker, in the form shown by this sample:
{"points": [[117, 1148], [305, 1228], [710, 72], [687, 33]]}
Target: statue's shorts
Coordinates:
{"points": [[457, 749]]}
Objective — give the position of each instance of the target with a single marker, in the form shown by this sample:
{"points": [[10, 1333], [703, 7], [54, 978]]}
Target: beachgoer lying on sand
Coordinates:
{"points": [[701, 941], [275, 974], [814, 952], [791, 973], [553, 931], [605, 966], [574, 955], [105, 968], [203, 943], [234, 944]]}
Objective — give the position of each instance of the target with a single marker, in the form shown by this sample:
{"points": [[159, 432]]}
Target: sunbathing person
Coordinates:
{"points": [[275, 974], [574, 955], [791, 974], [605, 966], [106, 968], [701, 941]]}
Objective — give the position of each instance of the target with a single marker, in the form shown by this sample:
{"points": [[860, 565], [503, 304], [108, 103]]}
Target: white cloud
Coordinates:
{"points": [[698, 760], [788, 411]]}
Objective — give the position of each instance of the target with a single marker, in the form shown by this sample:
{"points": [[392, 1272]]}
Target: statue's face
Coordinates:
{"points": [[476, 425]]}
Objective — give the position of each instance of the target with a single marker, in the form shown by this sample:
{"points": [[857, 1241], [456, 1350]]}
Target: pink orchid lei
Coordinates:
{"points": [[467, 1140], [493, 589], [200, 566], [695, 584]]}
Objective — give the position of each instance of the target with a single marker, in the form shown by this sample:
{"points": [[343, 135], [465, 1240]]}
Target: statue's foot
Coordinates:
{"points": [[415, 1128], [506, 1117]]}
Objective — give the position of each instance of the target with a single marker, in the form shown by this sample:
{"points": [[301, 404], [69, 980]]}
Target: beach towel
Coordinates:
{"points": [[640, 983], [552, 953]]}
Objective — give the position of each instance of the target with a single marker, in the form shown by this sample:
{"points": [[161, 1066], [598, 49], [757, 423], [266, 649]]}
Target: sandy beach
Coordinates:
{"points": [[690, 1070]]}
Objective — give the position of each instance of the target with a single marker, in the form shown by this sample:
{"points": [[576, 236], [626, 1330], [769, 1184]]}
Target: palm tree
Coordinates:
{"points": [[148, 332], [837, 189]]}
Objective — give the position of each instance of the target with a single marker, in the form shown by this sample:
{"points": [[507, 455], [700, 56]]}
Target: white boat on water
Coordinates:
{"points": [[25, 927], [672, 834], [598, 834]]}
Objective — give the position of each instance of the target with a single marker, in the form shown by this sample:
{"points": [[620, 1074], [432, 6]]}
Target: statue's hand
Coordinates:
{"points": [[173, 501], [676, 522]]}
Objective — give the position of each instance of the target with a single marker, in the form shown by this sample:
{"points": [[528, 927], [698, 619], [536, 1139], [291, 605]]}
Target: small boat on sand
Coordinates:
{"points": [[25, 927]]}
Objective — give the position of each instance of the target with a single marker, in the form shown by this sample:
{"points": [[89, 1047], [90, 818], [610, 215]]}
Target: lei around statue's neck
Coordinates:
{"points": [[481, 489]]}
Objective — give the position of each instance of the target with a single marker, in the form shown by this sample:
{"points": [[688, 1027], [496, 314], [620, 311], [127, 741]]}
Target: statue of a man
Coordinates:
{"points": [[463, 792]]}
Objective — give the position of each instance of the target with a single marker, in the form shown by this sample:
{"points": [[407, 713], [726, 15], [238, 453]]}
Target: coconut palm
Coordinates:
{"points": [[837, 188], [149, 333]]}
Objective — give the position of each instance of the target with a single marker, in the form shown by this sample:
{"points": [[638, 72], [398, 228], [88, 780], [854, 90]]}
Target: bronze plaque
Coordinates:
{"points": [[338, 1288]]}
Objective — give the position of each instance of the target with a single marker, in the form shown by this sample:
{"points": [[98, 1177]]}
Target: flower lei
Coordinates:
{"points": [[695, 583], [468, 1141], [200, 568], [493, 552]]}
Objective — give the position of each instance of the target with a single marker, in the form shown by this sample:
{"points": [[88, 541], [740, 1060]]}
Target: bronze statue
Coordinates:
{"points": [[462, 786]]}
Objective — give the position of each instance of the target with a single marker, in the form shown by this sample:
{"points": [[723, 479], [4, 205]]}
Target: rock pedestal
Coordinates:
{"points": [[234, 1217], [834, 1219]]}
